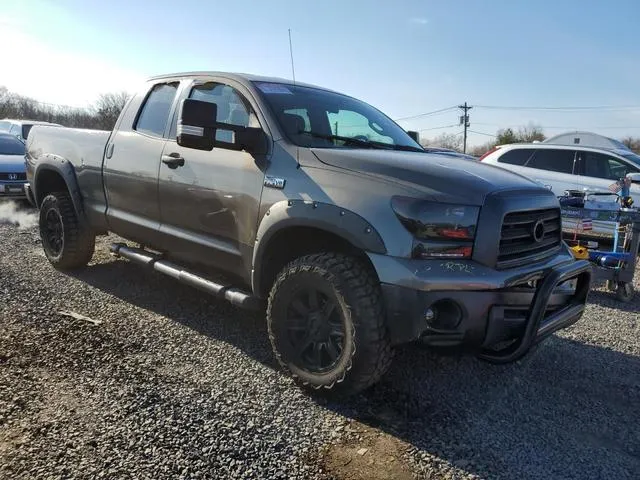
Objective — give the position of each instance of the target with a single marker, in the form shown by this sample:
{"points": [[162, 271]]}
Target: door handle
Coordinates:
{"points": [[173, 160]]}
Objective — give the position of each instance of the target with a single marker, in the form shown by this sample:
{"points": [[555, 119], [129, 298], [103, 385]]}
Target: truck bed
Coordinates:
{"points": [[83, 148]]}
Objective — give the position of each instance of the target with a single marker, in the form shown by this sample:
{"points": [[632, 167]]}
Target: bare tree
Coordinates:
{"points": [[530, 133], [633, 143], [102, 116], [108, 108], [444, 140]]}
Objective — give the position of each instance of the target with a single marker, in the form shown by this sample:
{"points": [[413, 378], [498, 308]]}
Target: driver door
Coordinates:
{"points": [[209, 205]]}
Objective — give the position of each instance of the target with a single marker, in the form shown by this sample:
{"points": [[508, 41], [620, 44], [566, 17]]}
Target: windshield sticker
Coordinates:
{"points": [[269, 88]]}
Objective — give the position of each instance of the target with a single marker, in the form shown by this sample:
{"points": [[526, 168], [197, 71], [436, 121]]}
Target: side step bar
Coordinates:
{"points": [[233, 295]]}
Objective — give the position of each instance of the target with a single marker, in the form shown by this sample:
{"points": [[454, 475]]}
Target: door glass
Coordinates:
{"points": [[154, 114], [517, 156], [560, 161], [599, 165], [233, 108]]}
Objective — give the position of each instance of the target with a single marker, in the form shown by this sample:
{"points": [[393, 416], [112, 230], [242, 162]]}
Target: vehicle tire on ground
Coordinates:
{"points": [[66, 242], [326, 324]]}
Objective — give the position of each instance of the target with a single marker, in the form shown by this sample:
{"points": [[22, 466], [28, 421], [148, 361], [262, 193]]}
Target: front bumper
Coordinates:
{"points": [[517, 307], [12, 190]]}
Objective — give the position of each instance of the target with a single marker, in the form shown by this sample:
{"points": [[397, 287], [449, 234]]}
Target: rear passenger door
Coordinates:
{"points": [[132, 160]]}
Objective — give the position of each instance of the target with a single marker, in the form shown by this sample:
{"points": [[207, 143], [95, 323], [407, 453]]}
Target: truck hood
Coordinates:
{"points": [[443, 178], [12, 164]]}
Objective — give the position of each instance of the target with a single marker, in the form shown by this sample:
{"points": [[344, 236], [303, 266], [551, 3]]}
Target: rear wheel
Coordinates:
{"points": [[326, 323], [67, 244]]}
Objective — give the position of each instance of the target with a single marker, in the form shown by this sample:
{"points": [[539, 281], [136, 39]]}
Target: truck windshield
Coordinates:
{"points": [[312, 117]]}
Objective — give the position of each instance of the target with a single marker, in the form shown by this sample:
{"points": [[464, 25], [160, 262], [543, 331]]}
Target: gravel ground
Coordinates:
{"points": [[173, 384]]}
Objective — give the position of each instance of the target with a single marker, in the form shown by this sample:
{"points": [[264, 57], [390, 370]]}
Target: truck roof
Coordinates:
{"points": [[242, 77]]}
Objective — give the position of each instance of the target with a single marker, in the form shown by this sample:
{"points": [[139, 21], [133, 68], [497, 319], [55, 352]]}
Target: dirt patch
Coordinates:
{"points": [[367, 454]]}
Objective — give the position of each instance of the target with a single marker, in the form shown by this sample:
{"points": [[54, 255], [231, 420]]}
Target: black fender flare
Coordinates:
{"points": [[324, 216], [64, 168]]}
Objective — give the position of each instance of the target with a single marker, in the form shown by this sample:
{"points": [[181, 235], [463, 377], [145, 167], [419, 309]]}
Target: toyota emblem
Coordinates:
{"points": [[13, 176], [538, 231]]}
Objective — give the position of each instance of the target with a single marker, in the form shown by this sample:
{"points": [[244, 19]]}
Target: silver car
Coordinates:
{"points": [[21, 128], [12, 168]]}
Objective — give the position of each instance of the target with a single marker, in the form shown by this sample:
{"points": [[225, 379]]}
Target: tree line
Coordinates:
{"points": [[504, 136], [102, 115]]}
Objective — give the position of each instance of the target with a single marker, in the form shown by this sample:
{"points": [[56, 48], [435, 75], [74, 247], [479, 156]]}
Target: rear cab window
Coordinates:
{"points": [[25, 130], [154, 113]]}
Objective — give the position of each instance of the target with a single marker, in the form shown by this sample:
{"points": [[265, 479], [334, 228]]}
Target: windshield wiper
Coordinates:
{"points": [[408, 148], [363, 143], [357, 141]]}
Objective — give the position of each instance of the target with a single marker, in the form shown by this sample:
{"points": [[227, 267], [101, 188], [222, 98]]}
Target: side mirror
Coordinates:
{"points": [[634, 177], [414, 135], [197, 124]]}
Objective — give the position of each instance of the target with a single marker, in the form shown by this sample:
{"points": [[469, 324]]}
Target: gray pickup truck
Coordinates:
{"points": [[320, 207]]}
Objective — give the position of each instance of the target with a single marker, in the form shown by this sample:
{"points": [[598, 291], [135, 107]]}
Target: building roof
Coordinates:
{"points": [[586, 139]]}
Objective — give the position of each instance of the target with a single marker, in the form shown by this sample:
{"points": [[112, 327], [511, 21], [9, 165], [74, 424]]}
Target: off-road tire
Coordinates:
{"points": [[366, 351], [78, 241]]}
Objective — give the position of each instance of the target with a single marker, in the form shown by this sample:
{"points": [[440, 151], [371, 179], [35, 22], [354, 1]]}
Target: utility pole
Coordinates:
{"points": [[464, 120]]}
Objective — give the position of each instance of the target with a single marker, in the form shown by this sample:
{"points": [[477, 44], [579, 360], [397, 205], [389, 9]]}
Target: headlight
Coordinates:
{"points": [[440, 230]]}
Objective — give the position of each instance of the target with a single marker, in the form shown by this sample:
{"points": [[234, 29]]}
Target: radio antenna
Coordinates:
{"points": [[293, 70]]}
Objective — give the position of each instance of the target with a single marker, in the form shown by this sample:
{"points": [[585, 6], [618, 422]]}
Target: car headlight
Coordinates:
{"points": [[440, 230]]}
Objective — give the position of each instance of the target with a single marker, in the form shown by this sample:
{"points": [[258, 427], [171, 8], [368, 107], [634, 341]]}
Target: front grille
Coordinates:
{"points": [[518, 243], [9, 177]]}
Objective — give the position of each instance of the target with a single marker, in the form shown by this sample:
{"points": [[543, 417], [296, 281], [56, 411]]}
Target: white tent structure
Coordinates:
{"points": [[586, 139]]}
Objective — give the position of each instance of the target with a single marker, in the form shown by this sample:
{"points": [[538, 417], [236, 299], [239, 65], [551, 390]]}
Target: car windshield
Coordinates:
{"points": [[10, 145], [5, 126], [312, 117], [632, 157]]}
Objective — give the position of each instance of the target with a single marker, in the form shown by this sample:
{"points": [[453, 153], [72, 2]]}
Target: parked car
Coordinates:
{"points": [[355, 242], [571, 167], [21, 128], [12, 167]]}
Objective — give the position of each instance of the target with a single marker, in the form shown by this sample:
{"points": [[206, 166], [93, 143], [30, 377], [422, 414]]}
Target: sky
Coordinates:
{"points": [[405, 57]]}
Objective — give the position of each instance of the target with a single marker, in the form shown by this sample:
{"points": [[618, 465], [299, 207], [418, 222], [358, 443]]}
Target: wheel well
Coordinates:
{"points": [[49, 181], [294, 242]]}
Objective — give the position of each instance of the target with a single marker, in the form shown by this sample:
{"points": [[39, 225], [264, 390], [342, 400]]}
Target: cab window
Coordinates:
{"points": [[233, 108], [154, 114]]}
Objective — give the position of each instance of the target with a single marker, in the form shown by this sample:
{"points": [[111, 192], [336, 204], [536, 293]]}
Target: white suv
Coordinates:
{"points": [[569, 167]]}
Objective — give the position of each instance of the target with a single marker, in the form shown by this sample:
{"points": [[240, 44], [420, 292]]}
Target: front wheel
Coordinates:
{"points": [[67, 243], [326, 323]]}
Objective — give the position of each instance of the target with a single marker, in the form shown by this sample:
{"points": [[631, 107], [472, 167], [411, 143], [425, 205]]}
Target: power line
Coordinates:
{"points": [[438, 128], [483, 133], [566, 108], [420, 115], [567, 127]]}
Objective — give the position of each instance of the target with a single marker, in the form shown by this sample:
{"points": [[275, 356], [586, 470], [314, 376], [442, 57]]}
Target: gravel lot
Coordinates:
{"points": [[173, 384]]}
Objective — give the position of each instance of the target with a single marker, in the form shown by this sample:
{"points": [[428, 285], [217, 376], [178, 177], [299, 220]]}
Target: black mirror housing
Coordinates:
{"points": [[197, 124], [415, 136]]}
